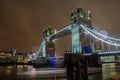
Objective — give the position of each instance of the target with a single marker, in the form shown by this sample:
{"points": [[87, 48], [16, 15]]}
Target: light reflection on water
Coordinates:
{"points": [[13, 73], [110, 71]]}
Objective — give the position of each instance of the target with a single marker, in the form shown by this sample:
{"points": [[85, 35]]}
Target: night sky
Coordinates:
{"points": [[22, 21]]}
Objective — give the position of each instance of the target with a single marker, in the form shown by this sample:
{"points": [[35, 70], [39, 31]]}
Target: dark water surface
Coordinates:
{"points": [[23, 72]]}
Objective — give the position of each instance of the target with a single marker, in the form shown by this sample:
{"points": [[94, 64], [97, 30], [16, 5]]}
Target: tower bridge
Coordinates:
{"points": [[85, 39]]}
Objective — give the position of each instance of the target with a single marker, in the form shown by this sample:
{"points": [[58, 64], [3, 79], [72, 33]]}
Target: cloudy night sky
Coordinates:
{"points": [[22, 21]]}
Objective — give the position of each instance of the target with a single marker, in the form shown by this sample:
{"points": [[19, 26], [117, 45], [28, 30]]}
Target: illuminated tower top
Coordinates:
{"points": [[80, 16], [47, 32]]}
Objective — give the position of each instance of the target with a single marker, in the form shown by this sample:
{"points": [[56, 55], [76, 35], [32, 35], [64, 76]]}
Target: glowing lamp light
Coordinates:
{"points": [[89, 15], [50, 49], [48, 33], [55, 31], [88, 18], [81, 14]]}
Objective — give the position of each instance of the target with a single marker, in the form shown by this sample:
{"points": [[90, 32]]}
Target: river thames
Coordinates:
{"points": [[25, 72]]}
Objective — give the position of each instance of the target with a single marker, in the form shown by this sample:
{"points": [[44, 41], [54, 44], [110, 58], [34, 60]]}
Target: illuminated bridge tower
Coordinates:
{"points": [[76, 43], [48, 45], [77, 18]]}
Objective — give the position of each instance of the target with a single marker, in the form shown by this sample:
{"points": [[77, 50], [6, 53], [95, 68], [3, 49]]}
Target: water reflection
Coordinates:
{"points": [[24, 72], [96, 77], [110, 71]]}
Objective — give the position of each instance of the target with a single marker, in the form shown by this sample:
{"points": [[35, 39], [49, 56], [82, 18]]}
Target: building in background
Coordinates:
{"points": [[13, 56]]}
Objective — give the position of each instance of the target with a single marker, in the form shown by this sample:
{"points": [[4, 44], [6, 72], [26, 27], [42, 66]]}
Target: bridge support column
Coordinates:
{"points": [[76, 42], [48, 45], [50, 48], [44, 48], [116, 59], [77, 68], [93, 60]]}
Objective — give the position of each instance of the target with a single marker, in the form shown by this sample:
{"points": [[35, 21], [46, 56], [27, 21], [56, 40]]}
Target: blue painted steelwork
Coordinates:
{"points": [[87, 49]]}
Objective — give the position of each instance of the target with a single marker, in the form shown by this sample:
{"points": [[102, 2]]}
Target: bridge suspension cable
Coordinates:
{"points": [[100, 34], [100, 37], [67, 28], [39, 50]]}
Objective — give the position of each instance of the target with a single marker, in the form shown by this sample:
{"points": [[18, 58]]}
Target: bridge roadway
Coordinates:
{"points": [[60, 33], [105, 54]]}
